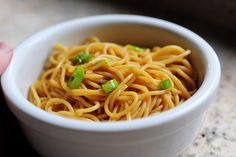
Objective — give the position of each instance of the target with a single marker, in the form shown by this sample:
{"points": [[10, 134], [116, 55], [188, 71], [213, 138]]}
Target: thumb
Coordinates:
{"points": [[5, 56]]}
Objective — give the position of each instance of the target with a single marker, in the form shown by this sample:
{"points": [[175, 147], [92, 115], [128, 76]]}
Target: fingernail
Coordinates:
{"points": [[5, 56], [5, 48]]}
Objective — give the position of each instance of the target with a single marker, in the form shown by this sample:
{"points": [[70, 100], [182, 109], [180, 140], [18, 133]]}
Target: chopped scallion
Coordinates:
{"points": [[76, 77], [165, 84], [110, 85], [81, 58]]}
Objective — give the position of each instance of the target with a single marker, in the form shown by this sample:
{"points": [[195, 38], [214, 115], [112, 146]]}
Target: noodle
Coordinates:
{"points": [[146, 81]]}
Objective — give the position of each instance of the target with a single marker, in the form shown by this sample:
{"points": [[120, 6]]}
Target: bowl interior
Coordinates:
{"points": [[29, 61]]}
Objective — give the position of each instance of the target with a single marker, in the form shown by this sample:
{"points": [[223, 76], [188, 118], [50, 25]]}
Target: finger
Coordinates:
{"points": [[5, 56]]}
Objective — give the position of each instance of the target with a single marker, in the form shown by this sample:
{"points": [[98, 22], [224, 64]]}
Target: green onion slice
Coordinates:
{"points": [[135, 48], [165, 84], [110, 85], [76, 77], [81, 58]]}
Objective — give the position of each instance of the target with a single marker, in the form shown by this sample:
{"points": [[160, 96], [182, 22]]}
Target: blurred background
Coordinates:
{"points": [[214, 20]]}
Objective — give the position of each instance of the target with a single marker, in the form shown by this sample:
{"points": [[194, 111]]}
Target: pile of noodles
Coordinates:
{"points": [[138, 74]]}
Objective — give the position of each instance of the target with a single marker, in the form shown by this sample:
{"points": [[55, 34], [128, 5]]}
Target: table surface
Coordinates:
{"points": [[19, 19]]}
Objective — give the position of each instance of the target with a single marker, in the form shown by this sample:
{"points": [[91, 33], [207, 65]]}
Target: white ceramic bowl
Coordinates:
{"points": [[163, 135]]}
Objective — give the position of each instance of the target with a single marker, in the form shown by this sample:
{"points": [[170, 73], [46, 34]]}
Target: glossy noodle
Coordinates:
{"points": [[103, 81]]}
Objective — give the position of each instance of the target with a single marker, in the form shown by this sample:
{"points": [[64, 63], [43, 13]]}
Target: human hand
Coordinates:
{"points": [[5, 56]]}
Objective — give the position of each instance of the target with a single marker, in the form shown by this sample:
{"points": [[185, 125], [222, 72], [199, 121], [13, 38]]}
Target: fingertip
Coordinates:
{"points": [[6, 53]]}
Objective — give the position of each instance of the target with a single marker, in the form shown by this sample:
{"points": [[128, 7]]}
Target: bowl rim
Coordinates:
{"points": [[206, 90]]}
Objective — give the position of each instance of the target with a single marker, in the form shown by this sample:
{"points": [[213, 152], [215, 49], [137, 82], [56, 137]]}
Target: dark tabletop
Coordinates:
{"points": [[12, 140]]}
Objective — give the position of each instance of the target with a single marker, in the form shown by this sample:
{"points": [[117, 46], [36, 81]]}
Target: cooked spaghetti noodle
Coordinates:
{"points": [[113, 82]]}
